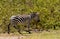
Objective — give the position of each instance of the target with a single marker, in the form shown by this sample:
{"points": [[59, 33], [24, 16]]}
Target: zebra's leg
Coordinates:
{"points": [[9, 28], [17, 29], [28, 26]]}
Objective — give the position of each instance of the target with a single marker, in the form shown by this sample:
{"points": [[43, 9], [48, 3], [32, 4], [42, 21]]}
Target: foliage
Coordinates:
{"points": [[49, 12]]}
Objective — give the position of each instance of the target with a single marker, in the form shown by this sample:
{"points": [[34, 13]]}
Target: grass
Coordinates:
{"points": [[45, 35], [55, 34]]}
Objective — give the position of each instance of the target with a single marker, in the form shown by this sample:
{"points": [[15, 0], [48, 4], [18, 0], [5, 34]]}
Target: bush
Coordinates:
{"points": [[49, 12]]}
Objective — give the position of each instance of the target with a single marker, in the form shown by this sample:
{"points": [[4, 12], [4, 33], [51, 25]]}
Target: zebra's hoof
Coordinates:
{"points": [[29, 32]]}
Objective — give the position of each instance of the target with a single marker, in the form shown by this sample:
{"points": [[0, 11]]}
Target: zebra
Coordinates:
{"points": [[24, 18]]}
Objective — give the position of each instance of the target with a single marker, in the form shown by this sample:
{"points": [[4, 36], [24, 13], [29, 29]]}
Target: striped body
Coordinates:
{"points": [[20, 19]]}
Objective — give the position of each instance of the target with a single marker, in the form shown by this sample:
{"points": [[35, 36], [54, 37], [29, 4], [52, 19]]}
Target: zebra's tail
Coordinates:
{"points": [[9, 28]]}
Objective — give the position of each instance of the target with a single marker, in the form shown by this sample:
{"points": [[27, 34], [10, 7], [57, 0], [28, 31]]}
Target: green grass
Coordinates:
{"points": [[49, 12]]}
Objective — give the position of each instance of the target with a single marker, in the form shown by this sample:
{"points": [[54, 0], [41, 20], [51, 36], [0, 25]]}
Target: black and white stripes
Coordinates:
{"points": [[14, 20]]}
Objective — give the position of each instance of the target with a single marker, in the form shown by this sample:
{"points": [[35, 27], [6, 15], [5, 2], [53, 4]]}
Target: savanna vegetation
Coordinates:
{"points": [[49, 13]]}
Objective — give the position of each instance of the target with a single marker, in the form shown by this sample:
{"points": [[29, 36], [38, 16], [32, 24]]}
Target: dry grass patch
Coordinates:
{"points": [[43, 35]]}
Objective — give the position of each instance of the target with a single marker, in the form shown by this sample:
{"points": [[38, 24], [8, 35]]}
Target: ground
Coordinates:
{"points": [[53, 34]]}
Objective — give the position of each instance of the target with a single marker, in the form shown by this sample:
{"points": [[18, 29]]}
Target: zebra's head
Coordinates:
{"points": [[35, 16]]}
